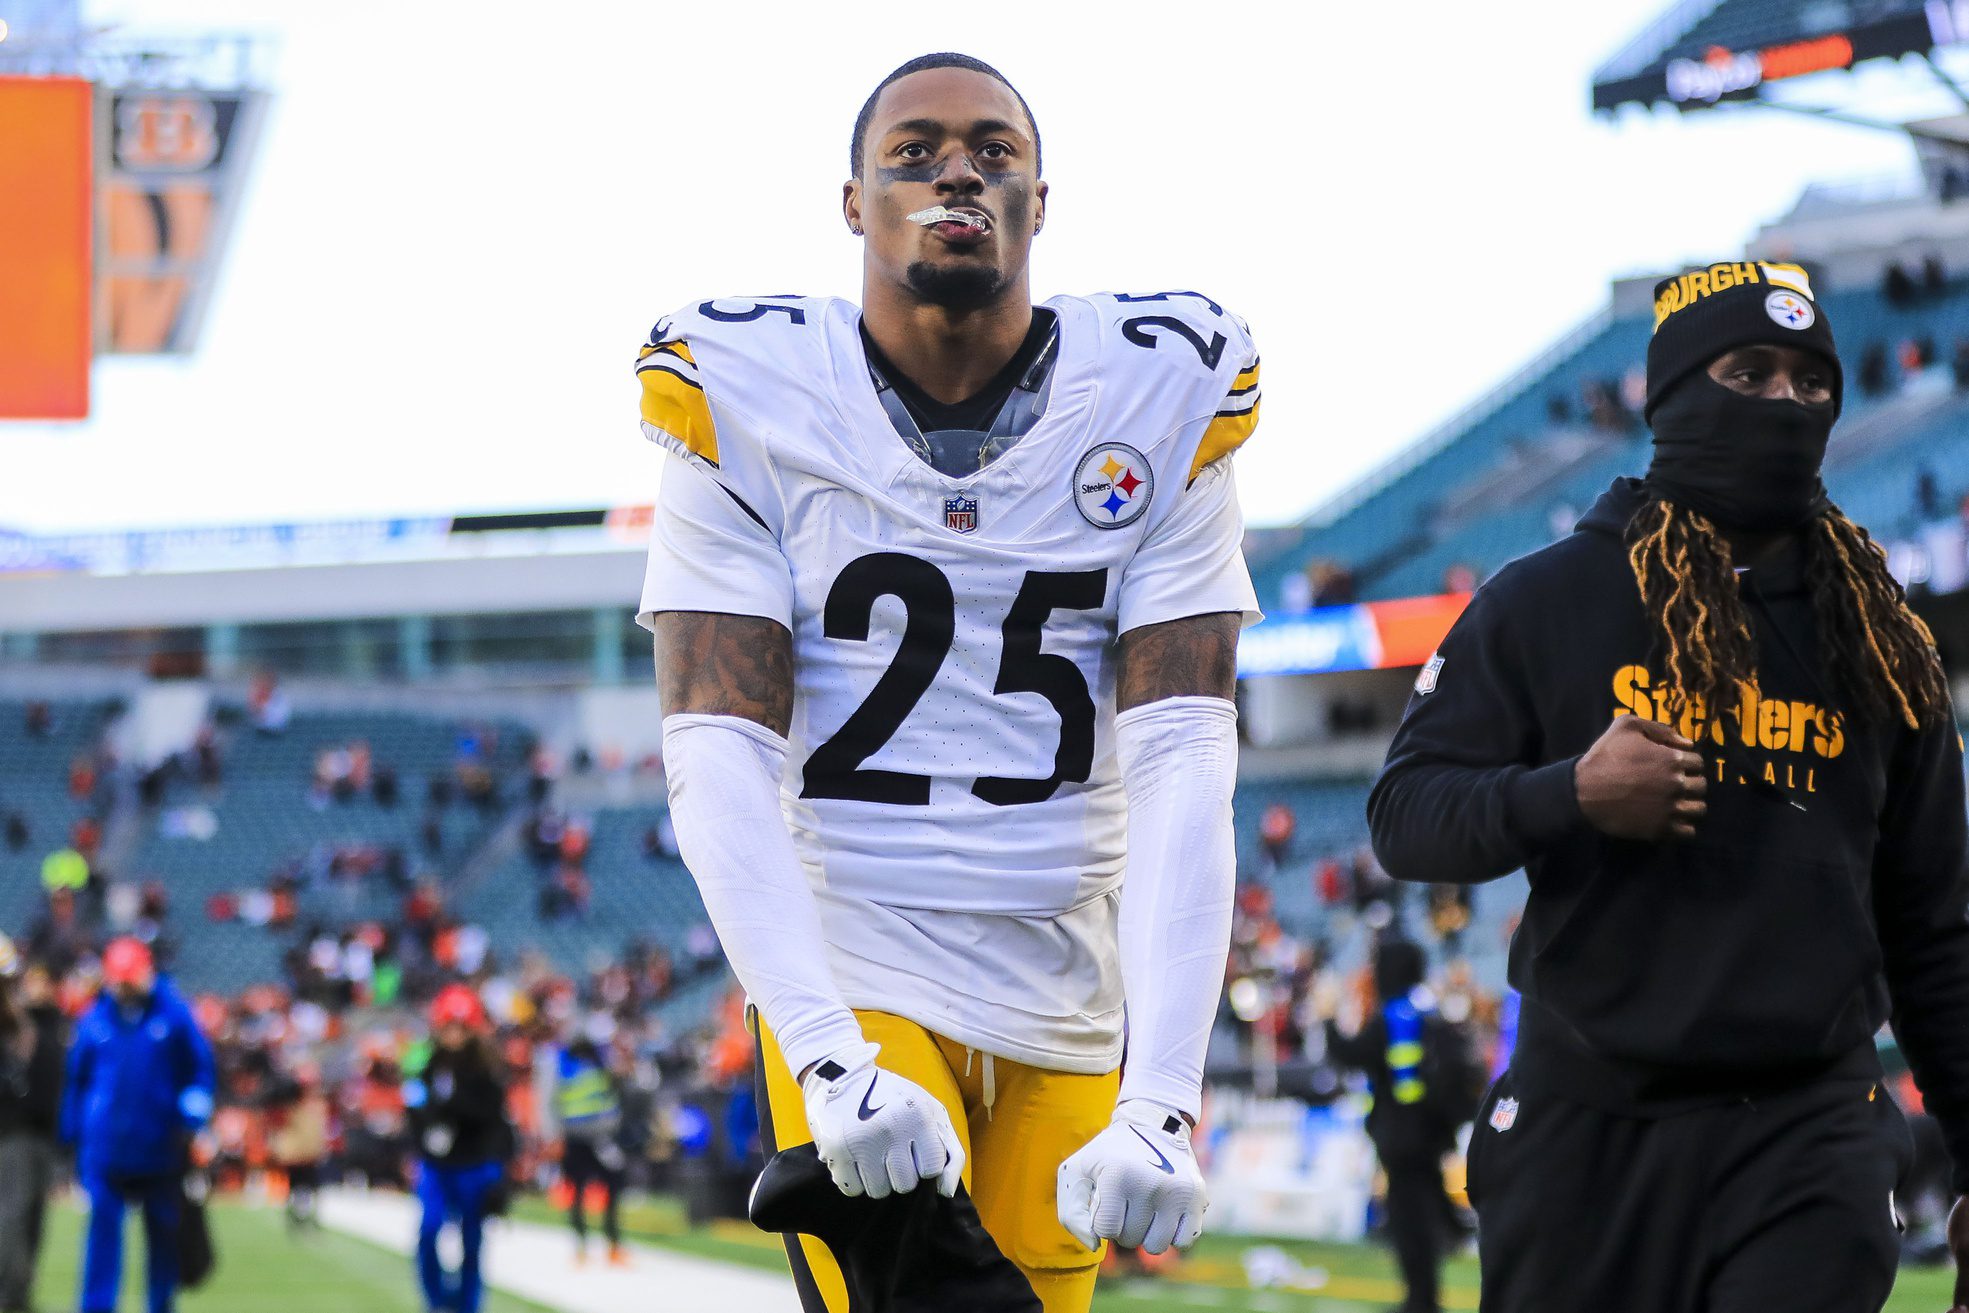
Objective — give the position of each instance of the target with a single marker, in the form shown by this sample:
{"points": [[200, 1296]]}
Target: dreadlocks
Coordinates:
{"points": [[1880, 655]]}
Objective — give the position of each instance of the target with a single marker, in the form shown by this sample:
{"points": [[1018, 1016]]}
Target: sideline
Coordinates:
{"points": [[536, 1262]]}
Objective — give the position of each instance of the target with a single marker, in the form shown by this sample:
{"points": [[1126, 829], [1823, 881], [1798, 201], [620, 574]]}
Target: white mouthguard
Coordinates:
{"points": [[937, 214]]}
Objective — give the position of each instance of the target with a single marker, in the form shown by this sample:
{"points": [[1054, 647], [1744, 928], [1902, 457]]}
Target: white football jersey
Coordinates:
{"points": [[951, 783]]}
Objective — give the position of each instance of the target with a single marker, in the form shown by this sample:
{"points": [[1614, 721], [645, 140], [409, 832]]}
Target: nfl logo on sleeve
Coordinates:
{"points": [[1426, 681], [960, 514], [1505, 1115]]}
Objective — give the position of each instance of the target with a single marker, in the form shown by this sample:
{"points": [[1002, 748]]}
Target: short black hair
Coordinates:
{"points": [[942, 59]]}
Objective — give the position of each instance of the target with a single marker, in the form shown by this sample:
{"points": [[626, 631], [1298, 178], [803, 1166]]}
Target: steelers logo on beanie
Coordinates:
{"points": [[1703, 313]]}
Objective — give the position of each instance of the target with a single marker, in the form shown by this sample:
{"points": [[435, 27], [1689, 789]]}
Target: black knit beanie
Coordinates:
{"points": [[1703, 313]]}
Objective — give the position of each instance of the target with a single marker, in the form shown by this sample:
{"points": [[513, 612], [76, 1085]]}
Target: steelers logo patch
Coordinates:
{"points": [[1112, 485], [1789, 310]]}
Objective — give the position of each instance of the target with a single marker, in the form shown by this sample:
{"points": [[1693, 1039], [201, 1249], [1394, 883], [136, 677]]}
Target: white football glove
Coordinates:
{"points": [[1136, 1183], [877, 1132]]}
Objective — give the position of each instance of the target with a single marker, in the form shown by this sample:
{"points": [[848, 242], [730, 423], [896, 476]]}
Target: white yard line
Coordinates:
{"points": [[536, 1262]]}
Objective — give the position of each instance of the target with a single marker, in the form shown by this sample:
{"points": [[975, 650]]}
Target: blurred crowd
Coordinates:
{"points": [[318, 1075], [1288, 976], [312, 1074]]}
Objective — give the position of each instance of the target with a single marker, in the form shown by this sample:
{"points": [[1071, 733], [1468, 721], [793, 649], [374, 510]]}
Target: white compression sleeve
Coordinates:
{"points": [[724, 800], [1178, 764]]}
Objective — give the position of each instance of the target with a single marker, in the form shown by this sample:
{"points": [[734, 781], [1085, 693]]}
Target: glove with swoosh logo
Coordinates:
{"points": [[877, 1132], [1136, 1183]]}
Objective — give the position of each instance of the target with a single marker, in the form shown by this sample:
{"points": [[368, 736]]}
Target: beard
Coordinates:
{"points": [[955, 287]]}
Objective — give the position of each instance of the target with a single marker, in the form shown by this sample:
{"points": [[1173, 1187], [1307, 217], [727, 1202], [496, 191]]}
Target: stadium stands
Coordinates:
{"points": [[353, 857], [631, 894], [35, 784], [1396, 522], [1329, 824], [1515, 477]]}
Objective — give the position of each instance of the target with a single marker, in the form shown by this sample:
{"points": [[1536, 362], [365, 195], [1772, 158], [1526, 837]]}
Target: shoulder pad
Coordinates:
{"points": [[1190, 321], [675, 410], [733, 330]]}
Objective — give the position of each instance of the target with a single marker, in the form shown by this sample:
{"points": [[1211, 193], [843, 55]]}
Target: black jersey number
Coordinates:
{"points": [[835, 769], [1136, 330], [1025, 669], [1139, 297], [758, 310]]}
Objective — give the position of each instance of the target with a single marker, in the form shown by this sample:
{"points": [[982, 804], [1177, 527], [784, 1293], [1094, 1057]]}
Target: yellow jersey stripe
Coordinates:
{"points": [[1225, 435], [677, 349], [674, 401]]}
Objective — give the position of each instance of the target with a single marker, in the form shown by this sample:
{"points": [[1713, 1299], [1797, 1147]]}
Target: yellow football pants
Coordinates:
{"points": [[1012, 1151]]}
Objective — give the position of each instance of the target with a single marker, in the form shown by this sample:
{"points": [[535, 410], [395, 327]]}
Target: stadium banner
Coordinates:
{"points": [[1723, 74], [176, 167], [1362, 636], [201, 548], [47, 245]]}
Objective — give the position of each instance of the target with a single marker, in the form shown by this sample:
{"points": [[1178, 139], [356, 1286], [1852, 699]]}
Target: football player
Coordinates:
{"points": [[946, 605]]}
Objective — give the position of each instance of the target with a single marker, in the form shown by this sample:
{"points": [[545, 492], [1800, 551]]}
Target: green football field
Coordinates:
{"points": [[1359, 1278], [264, 1270], [261, 1270]]}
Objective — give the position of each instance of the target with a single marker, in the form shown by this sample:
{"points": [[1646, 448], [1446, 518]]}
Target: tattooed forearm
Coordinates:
{"points": [[725, 665], [1192, 657]]}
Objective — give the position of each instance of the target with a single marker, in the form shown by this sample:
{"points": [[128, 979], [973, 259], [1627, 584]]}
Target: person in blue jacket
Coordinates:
{"points": [[140, 1081]]}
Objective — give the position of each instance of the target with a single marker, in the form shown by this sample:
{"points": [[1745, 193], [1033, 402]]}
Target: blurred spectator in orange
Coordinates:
{"points": [[85, 836], [299, 1140]]}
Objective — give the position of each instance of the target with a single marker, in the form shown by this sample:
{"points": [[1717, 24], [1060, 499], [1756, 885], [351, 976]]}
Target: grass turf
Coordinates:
{"points": [[1359, 1278], [261, 1270]]}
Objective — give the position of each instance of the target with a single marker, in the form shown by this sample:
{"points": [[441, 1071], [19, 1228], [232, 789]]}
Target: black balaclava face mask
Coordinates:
{"points": [[1741, 462]]}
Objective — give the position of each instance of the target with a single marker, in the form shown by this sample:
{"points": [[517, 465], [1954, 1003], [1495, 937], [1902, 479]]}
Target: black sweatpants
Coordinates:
{"points": [[581, 1163], [1417, 1208], [1783, 1202]]}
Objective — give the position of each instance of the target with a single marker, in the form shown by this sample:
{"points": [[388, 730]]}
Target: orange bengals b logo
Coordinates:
{"points": [[175, 132]]}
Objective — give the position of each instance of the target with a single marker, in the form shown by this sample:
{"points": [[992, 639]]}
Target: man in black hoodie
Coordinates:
{"points": [[1720, 745]]}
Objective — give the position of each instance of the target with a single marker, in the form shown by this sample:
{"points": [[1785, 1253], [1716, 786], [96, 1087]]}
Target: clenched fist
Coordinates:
{"points": [[1642, 780], [1136, 1183], [877, 1132]]}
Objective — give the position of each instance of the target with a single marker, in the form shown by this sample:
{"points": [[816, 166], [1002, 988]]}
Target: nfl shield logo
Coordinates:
{"points": [[960, 513], [1425, 682], [1505, 1115]]}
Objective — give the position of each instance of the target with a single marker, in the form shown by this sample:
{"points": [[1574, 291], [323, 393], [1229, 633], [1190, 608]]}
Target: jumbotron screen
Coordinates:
{"points": [[1741, 46]]}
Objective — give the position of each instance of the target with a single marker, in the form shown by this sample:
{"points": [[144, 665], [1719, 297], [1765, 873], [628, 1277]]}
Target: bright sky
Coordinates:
{"points": [[465, 217]]}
